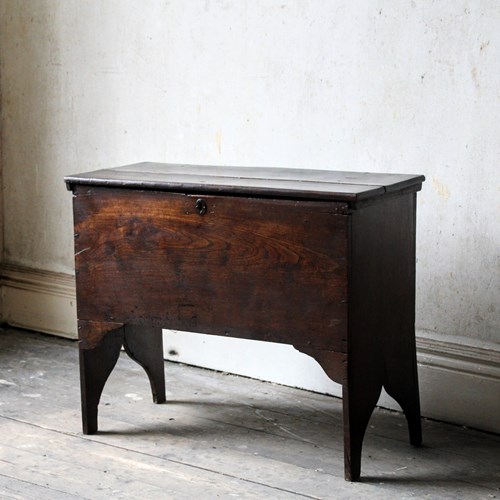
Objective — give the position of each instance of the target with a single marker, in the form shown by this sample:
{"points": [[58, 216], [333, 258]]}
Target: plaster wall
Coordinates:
{"points": [[381, 85]]}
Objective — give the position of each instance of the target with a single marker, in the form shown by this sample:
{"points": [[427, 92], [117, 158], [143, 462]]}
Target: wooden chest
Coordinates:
{"points": [[321, 260]]}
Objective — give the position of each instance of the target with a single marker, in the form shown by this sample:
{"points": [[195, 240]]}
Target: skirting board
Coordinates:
{"points": [[39, 300], [459, 382]]}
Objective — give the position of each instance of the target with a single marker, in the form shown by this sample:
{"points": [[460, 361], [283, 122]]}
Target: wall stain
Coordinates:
{"points": [[218, 141], [441, 189], [484, 45], [475, 78]]}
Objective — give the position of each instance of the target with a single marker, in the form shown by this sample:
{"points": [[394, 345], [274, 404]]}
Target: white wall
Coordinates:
{"points": [[398, 86]]}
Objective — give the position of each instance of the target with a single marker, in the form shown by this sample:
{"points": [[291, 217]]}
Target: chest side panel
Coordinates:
{"points": [[248, 267]]}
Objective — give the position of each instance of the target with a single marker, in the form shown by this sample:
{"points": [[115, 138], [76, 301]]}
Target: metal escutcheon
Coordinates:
{"points": [[201, 206]]}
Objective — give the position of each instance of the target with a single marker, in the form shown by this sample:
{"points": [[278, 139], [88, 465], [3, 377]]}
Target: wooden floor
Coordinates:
{"points": [[218, 436]]}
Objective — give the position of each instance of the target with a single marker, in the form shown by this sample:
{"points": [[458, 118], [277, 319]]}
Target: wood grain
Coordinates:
{"points": [[254, 268], [254, 181], [381, 329], [257, 254]]}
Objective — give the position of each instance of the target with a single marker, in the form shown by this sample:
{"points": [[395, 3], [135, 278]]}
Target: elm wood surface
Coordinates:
{"points": [[323, 266], [244, 260], [276, 182], [100, 347]]}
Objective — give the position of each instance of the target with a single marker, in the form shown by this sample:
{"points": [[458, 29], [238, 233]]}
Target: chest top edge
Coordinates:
{"points": [[250, 181]]}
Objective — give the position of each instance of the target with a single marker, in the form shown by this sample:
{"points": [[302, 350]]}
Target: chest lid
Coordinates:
{"points": [[250, 181]]}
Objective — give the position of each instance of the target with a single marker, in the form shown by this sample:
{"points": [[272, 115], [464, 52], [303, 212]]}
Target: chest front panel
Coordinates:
{"points": [[258, 268]]}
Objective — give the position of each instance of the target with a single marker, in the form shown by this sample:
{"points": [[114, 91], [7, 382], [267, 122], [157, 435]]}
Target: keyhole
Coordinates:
{"points": [[201, 206]]}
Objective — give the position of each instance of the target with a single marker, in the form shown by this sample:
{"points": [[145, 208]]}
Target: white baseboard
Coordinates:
{"points": [[459, 378], [459, 383], [39, 300]]}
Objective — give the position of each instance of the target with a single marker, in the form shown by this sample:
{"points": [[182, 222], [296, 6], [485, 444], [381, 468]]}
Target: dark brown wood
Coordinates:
{"points": [[321, 260], [222, 272], [144, 344], [97, 360], [381, 333], [334, 363], [252, 181], [99, 347]]}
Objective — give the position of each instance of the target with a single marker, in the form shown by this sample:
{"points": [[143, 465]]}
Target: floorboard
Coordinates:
{"points": [[218, 436]]}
